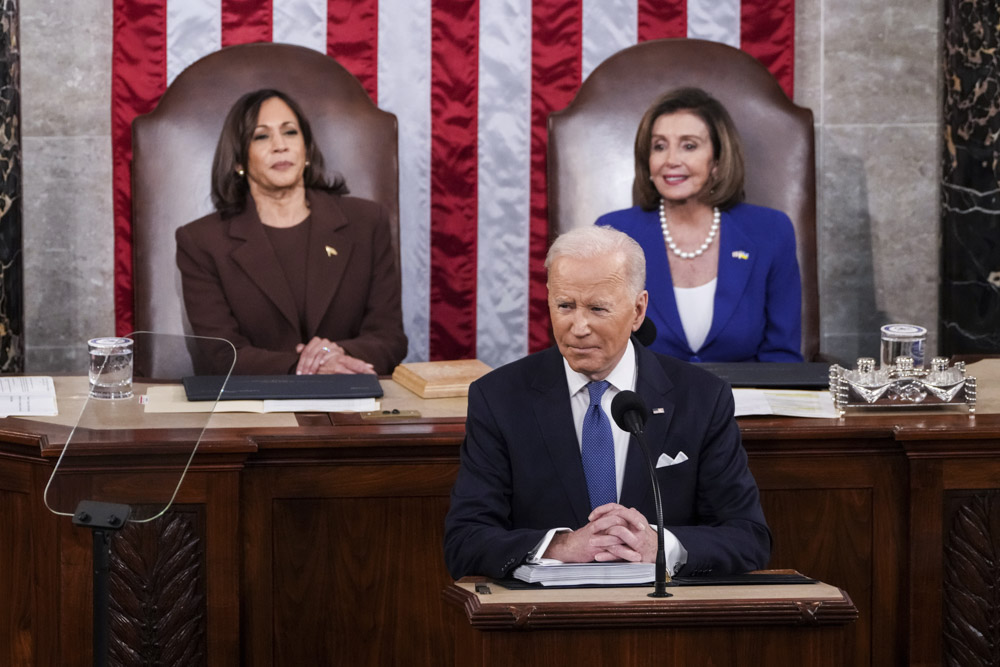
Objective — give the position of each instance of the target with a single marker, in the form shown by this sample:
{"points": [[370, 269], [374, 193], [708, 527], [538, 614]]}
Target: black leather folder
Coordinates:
{"points": [[287, 387], [764, 375]]}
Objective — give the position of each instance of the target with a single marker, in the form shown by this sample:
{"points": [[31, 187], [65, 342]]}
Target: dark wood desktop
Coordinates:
{"points": [[321, 543]]}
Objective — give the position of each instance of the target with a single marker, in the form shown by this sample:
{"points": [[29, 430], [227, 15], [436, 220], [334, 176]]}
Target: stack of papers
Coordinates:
{"points": [[550, 572], [28, 396], [785, 402]]}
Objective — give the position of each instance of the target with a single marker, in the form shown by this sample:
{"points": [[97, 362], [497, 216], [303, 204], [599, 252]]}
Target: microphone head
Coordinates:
{"points": [[628, 409], [646, 333]]}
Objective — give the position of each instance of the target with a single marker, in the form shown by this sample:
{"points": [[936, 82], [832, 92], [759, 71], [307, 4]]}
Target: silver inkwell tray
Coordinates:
{"points": [[901, 385]]}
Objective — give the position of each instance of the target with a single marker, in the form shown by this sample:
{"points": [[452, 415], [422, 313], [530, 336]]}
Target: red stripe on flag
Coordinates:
{"points": [[246, 21], [454, 205], [662, 18], [352, 39], [556, 73], [138, 78], [767, 32]]}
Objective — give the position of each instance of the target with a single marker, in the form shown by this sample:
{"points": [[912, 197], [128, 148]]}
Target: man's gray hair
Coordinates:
{"points": [[596, 241]]}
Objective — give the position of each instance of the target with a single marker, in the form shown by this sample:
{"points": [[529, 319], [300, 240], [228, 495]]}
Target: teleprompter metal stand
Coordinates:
{"points": [[103, 520]]}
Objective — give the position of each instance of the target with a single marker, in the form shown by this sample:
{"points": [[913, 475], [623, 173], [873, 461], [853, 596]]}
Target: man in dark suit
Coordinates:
{"points": [[542, 474]]}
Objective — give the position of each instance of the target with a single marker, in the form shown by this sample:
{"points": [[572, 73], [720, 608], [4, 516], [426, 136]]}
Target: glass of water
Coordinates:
{"points": [[110, 367]]}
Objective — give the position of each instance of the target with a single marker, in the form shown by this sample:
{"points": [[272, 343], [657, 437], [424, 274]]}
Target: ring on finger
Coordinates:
{"points": [[325, 349]]}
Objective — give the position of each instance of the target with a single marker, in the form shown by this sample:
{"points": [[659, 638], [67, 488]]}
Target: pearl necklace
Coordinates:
{"points": [[716, 216]]}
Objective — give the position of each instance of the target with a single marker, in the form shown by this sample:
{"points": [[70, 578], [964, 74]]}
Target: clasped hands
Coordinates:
{"points": [[613, 532], [322, 356]]}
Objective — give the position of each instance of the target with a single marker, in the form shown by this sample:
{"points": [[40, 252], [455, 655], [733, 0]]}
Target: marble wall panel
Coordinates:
{"points": [[880, 61], [808, 61], [11, 257], [70, 258], [66, 84], [879, 234], [67, 67], [876, 175], [970, 216]]}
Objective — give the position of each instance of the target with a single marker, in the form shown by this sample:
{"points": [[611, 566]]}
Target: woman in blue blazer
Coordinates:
{"points": [[722, 276]]}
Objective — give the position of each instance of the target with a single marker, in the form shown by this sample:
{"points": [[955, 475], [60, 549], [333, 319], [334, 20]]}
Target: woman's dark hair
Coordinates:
{"points": [[229, 189], [727, 189]]}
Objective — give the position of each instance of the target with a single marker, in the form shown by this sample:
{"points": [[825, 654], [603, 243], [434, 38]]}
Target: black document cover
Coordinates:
{"points": [[288, 387], [777, 375]]}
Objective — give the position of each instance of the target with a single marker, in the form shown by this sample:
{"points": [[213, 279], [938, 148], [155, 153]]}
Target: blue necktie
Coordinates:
{"points": [[598, 450]]}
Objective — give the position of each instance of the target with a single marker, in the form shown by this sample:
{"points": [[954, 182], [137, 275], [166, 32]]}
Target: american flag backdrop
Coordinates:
{"points": [[472, 83]]}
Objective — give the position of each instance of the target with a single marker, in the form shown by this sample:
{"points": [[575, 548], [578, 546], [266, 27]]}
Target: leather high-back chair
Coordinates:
{"points": [[590, 154], [173, 148]]}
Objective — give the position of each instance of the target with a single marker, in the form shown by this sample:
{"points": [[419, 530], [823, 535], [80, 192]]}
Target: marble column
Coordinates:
{"points": [[970, 178], [11, 261]]}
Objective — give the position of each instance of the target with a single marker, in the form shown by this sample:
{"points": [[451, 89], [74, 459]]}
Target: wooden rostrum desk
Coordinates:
{"points": [[800, 624], [317, 539]]}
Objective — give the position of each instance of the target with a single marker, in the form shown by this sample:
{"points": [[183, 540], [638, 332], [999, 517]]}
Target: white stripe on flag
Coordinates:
{"points": [[504, 172], [608, 27], [715, 20], [404, 88], [301, 22], [194, 29]]}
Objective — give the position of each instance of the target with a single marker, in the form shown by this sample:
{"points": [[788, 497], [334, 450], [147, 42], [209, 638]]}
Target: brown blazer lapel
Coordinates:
{"points": [[253, 253], [329, 252]]}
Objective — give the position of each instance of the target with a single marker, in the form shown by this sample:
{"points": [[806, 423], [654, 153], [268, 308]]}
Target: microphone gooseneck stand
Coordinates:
{"points": [[630, 412]]}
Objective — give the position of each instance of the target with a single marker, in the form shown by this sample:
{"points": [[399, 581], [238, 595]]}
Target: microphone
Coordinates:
{"points": [[646, 333], [630, 413]]}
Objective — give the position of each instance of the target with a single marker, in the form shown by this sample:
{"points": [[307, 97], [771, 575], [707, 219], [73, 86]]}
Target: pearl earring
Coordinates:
{"points": [[240, 171]]}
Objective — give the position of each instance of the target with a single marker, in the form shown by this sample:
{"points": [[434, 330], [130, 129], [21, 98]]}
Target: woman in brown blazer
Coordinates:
{"points": [[300, 278]]}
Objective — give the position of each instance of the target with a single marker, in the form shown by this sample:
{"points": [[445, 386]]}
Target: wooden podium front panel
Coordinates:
{"points": [[709, 625], [838, 519], [19, 626], [816, 647], [344, 563]]}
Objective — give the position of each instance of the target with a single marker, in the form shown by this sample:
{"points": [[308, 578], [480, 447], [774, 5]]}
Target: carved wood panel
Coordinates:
{"points": [[157, 588], [971, 586]]}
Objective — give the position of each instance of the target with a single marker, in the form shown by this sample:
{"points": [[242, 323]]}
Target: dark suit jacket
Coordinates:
{"points": [[521, 472], [235, 289], [757, 314]]}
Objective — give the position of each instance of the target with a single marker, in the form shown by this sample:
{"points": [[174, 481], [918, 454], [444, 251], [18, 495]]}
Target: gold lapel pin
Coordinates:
{"points": [[330, 251]]}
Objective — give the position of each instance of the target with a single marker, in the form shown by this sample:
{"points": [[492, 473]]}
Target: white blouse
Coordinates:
{"points": [[695, 305]]}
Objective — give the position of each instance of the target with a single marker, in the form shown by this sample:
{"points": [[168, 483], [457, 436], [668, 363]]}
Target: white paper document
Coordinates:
{"points": [[171, 398], [549, 572], [786, 402], [32, 396]]}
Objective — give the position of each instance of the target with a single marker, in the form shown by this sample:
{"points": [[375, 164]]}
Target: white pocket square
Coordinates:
{"points": [[667, 460]]}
